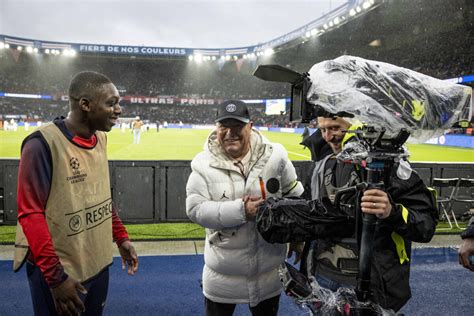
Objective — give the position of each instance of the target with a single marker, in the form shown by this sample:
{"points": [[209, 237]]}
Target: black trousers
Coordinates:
{"points": [[43, 304], [268, 307]]}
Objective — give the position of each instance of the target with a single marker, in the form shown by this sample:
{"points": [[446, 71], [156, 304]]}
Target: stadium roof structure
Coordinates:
{"points": [[334, 19]]}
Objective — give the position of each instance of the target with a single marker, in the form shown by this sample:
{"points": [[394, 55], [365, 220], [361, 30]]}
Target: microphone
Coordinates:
{"points": [[273, 185]]}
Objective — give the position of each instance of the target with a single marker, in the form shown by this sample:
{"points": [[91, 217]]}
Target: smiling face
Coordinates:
{"points": [[104, 108], [234, 137], [333, 131]]}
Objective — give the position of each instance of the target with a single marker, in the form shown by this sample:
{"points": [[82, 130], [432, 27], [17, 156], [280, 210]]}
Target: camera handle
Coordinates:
{"points": [[375, 171]]}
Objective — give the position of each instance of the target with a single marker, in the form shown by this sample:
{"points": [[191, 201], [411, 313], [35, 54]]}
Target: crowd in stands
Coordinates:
{"points": [[430, 39], [47, 110]]}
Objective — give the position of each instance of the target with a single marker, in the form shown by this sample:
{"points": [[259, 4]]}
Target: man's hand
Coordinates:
{"points": [[297, 248], [375, 201], [66, 299], [129, 257], [251, 204], [466, 250]]}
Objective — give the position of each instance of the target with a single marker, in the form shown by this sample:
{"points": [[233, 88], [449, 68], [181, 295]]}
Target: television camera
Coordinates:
{"points": [[394, 103]]}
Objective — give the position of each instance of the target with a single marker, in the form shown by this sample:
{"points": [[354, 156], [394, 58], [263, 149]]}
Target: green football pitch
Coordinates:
{"points": [[184, 144]]}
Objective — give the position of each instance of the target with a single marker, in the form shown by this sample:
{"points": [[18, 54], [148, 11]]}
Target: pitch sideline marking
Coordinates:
{"points": [[293, 153]]}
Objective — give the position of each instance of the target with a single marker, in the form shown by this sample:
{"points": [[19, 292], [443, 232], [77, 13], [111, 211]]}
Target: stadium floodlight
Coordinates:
{"points": [[268, 52], [336, 20], [366, 5], [358, 9], [227, 57], [70, 52], [325, 26], [314, 32], [198, 58], [375, 43], [307, 34], [214, 58], [2, 46], [29, 49], [331, 24], [19, 47], [191, 57], [46, 51], [7, 45], [35, 50]]}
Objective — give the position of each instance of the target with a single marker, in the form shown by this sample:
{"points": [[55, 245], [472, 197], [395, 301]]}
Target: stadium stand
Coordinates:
{"points": [[431, 37]]}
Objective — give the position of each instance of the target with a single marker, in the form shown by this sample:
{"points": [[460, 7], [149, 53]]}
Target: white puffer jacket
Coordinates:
{"points": [[240, 267]]}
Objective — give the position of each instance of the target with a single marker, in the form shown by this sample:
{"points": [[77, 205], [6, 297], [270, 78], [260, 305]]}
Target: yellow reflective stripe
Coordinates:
{"points": [[400, 245], [404, 213], [434, 193], [418, 110], [353, 127]]}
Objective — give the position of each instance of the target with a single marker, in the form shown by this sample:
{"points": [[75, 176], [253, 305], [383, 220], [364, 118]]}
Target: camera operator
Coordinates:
{"points": [[405, 210]]}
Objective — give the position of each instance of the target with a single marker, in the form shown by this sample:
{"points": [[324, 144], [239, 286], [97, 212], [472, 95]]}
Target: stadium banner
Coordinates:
{"points": [[25, 96], [131, 50], [453, 140], [133, 99]]}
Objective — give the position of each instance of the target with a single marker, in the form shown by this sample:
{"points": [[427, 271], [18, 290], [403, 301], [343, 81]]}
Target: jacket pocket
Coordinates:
{"points": [[392, 288], [221, 238]]}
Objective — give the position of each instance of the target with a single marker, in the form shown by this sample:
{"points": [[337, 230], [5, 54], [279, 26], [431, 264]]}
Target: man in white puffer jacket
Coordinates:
{"points": [[238, 169]]}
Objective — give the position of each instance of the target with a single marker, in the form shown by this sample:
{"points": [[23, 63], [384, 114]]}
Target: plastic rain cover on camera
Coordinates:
{"points": [[324, 302], [390, 97], [282, 220]]}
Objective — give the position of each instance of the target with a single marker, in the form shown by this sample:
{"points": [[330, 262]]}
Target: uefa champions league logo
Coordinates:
{"points": [[231, 108], [78, 175], [74, 163]]}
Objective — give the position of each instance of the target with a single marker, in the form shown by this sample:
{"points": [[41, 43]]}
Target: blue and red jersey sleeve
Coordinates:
{"points": [[119, 231], [34, 182]]}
